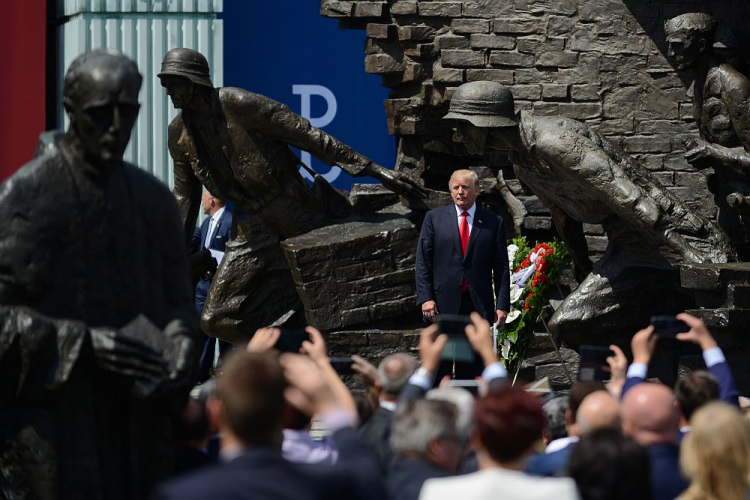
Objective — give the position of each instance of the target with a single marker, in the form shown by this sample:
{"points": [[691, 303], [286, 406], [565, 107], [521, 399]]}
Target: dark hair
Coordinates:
{"points": [[606, 465], [508, 422], [695, 390], [365, 409], [251, 389], [579, 391]]}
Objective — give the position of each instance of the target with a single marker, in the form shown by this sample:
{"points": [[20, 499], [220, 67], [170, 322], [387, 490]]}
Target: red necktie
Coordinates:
{"points": [[463, 231]]}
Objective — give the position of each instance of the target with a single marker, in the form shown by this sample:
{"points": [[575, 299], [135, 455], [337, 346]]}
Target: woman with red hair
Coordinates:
{"points": [[508, 423]]}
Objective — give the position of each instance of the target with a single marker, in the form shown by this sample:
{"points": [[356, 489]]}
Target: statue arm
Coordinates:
{"points": [[571, 232], [187, 187], [276, 120]]}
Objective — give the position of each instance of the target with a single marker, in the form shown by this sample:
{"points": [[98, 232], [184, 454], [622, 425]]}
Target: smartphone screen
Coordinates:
{"points": [[667, 327], [458, 347], [593, 365], [291, 340], [343, 366]]}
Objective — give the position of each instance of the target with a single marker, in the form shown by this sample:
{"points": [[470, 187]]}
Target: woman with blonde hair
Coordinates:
{"points": [[715, 454]]}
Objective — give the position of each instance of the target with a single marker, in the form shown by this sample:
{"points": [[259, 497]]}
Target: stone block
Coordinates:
{"points": [[647, 144], [367, 198], [526, 92], [713, 276], [480, 41], [555, 58], [581, 110], [463, 58], [421, 51], [528, 44], [533, 223], [470, 26], [367, 280], [440, 9], [621, 102], [382, 31], [686, 111], [452, 42], [615, 127], [554, 92], [502, 76], [519, 25], [676, 162], [403, 8], [447, 75], [533, 75], [533, 205], [487, 8], [559, 25], [333, 8], [416, 33], [515, 59], [586, 72], [546, 108], [692, 180], [383, 64], [593, 229], [369, 9], [584, 92], [597, 244], [664, 178]]}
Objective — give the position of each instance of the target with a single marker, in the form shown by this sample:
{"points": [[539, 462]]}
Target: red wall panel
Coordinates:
{"points": [[22, 81]]}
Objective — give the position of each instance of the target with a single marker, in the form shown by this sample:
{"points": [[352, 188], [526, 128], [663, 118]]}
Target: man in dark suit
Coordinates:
{"points": [[213, 235], [460, 248], [461, 251], [393, 375], [248, 410]]}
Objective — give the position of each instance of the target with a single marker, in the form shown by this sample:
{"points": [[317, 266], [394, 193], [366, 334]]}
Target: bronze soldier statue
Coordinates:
{"points": [[236, 144], [721, 104], [583, 178], [98, 333]]}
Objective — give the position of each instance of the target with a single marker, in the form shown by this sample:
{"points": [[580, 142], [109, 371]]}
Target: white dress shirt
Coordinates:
{"points": [[212, 226], [469, 218]]}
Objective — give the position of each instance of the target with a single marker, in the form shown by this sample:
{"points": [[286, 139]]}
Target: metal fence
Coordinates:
{"points": [[144, 31]]}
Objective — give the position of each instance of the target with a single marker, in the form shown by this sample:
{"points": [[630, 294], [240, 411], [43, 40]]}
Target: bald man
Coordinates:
{"points": [[649, 416], [598, 410]]}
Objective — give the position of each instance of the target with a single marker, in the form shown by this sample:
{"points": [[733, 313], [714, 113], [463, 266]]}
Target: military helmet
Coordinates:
{"points": [[483, 104], [187, 63]]}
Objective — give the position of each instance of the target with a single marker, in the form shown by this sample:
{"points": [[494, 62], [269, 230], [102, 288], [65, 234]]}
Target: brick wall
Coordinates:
{"points": [[599, 61]]}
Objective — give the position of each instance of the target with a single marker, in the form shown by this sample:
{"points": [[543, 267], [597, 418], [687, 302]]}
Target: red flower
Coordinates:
{"points": [[526, 307]]}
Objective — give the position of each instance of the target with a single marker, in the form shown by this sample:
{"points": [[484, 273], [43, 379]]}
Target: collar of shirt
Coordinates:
{"points": [[559, 444], [217, 215], [388, 405], [471, 211]]}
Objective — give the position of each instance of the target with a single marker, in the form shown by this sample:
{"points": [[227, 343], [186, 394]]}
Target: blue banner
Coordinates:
{"points": [[287, 51]]}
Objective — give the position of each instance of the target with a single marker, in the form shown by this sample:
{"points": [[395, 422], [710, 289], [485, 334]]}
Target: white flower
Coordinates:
{"points": [[514, 314], [512, 250], [516, 294], [505, 350]]}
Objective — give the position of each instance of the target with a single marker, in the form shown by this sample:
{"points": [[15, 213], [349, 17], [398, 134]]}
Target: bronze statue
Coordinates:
{"points": [[582, 177], [721, 103], [97, 327], [236, 144]]}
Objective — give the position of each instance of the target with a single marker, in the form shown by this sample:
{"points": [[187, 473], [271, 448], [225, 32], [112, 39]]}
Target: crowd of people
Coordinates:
{"points": [[285, 425]]}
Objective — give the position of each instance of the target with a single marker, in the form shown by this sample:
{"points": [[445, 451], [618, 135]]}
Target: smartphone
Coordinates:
{"points": [[291, 340], [476, 388], [667, 327], [458, 348], [593, 365], [343, 366]]}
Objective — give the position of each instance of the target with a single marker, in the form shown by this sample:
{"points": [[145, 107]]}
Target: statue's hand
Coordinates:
{"points": [[129, 359], [398, 182], [700, 154]]}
